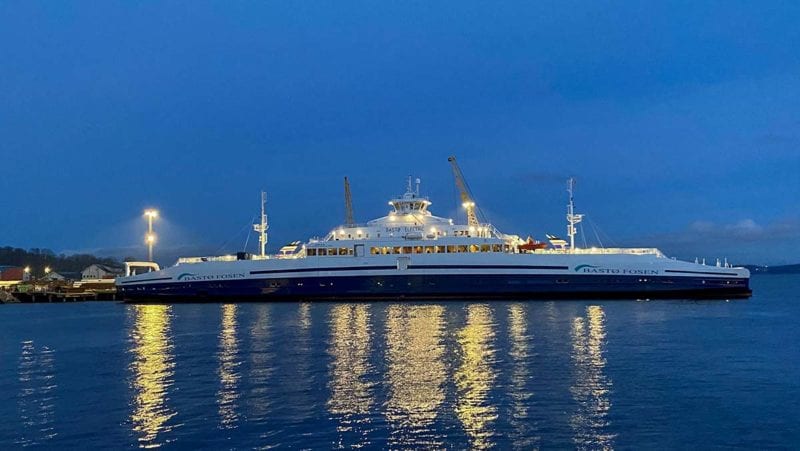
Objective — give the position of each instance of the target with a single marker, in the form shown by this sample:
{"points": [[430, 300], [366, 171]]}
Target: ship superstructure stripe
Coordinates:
{"points": [[376, 268], [703, 272]]}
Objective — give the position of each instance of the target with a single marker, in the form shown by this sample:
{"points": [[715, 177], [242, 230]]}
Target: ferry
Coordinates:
{"points": [[413, 254]]}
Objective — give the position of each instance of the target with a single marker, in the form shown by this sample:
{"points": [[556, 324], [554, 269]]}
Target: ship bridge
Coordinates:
{"points": [[410, 219]]}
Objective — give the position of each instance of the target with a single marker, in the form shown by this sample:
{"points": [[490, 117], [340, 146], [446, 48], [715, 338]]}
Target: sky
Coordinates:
{"points": [[680, 120]]}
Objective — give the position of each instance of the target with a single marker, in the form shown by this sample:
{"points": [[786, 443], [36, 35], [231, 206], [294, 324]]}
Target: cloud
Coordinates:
{"points": [[746, 240]]}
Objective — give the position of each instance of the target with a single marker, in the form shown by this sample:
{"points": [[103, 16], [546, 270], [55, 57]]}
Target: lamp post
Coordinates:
{"points": [[150, 238], [26, 273]]}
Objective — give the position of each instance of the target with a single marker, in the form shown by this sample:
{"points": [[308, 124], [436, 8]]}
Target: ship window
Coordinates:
{"points": [[396, 250], [384, 250], [484, 248], [332, 251], [311, 252], [506, 248], [406, 249], [473, 248], [374, 250], [462, 248], [428, 249], [343, 251], [417, 249], [440, 249], [451, 249], [497, 248]]}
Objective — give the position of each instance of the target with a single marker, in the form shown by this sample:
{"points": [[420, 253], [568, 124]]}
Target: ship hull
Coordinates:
{"points": [[441, 286]]}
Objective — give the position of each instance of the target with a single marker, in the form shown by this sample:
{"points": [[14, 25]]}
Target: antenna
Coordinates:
{"points": [[348, 204], [418, 182], [409, 190], [572, 218], [262, 227]]}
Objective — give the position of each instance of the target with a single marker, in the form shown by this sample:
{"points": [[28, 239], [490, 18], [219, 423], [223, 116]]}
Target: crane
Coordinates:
{"points": [[466, 198], [348, 204]]}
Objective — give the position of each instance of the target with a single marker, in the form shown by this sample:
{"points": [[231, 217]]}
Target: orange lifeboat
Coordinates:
{"points": [[531, 245]]}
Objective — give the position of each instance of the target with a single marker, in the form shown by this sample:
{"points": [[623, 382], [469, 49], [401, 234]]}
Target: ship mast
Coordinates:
{"points": [[572, 218], [262, 227]]}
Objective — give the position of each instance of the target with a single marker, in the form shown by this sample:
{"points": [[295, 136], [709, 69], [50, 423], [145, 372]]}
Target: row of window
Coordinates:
{"points": [[450, 249], [330, 251]]}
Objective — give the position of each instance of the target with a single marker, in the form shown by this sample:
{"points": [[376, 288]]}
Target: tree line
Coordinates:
{"points": [[38, 259]]}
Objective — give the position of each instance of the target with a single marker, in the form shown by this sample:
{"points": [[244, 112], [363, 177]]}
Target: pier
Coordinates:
{"points": [[79, 291]]}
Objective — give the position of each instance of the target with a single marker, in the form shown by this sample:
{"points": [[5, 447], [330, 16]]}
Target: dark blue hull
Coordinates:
{"points": [[440, 287]]}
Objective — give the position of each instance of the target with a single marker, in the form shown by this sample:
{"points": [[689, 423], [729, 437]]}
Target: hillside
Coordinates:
{"points": [[38, 259]]}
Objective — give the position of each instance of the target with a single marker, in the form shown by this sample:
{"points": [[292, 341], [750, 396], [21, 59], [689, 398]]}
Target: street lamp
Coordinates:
{"points": [[150, 238], [27, 273], [47, 270]]}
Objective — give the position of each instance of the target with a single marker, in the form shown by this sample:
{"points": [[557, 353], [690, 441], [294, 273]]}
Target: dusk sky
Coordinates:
{"points": [[680, 120]]}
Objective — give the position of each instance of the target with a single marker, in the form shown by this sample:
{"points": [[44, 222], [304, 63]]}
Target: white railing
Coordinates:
{"points": [[606, 250], [221, 258]]}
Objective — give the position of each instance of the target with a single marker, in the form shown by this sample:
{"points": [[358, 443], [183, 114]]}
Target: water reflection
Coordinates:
{"points": [[304, 315], [261, 364], [475, 376], [415, 373], [36, 398], [351, 393], [153, 372], [591, 386], [523, 435], [228, 355]]}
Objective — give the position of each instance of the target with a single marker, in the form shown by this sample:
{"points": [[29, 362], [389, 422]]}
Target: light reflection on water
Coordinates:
{"points": [[35, 401], [475, 376], [153, 371], [392, 392], [521, 344], [591, 387], [228, 354], [262, 357], [351, 393], [415, 374]]}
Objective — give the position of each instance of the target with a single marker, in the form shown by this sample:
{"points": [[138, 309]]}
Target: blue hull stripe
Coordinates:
{"points": [[441, 286]]}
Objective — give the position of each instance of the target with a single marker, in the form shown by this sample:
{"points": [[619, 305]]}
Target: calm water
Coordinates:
{"points": [[611, 374]]}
